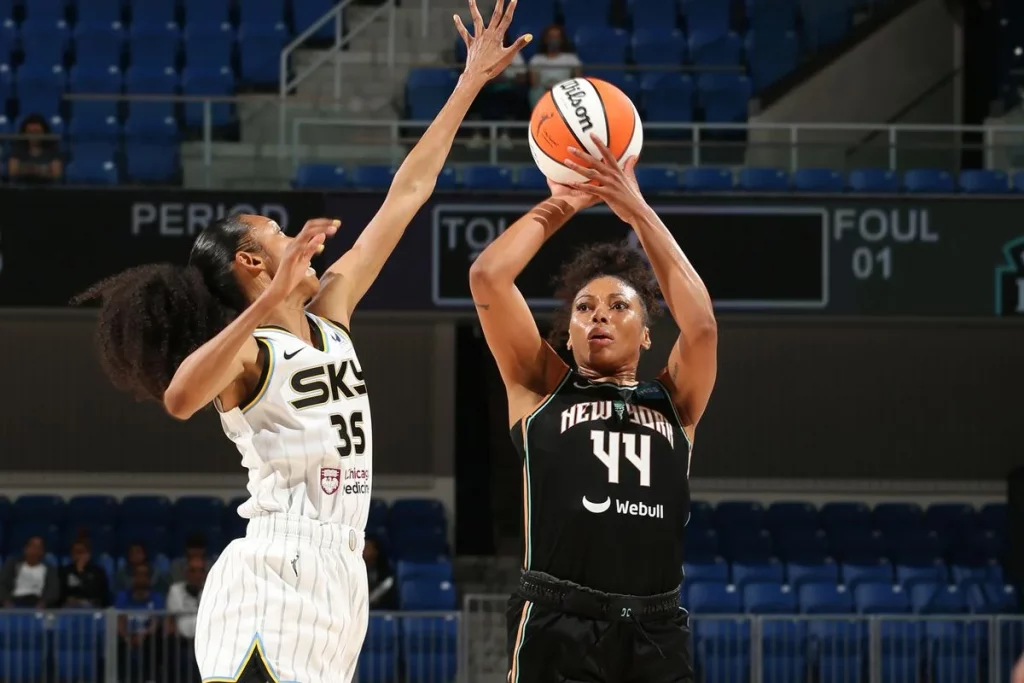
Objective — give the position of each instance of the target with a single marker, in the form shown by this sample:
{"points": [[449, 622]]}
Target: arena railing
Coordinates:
{"points": [[785, 145], [87, 646], [343, 37]]}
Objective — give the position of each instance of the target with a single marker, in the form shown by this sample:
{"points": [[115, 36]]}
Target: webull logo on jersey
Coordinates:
{"points": [[625, 507], [576, 96]]}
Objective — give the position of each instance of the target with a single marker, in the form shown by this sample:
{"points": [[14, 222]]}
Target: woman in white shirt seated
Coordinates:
{"points": [[554, 62], [28, 581]]}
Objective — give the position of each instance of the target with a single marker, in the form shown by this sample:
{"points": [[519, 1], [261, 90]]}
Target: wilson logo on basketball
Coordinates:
{"points": [[575, 94], [330, 480]]}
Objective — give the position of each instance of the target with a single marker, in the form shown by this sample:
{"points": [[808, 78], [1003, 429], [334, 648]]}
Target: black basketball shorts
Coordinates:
{"points": [[547, 645]]}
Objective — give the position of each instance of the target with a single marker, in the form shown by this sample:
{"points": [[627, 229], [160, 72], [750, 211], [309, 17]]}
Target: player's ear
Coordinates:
{"points": [[250, 262], [645, 342]]}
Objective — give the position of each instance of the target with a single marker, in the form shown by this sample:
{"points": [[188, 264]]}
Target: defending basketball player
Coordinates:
{"points": [[605, 456], [249, 327]]}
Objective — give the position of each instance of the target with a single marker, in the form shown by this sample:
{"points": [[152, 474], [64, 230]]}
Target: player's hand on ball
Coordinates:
{"points": [[487, 55], [614, 185], [295, 264], [575, 198]]}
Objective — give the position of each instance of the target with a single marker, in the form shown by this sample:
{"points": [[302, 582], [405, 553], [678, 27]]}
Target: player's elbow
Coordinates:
{"points": [[705, 331], [482, 275], [177, 404]]}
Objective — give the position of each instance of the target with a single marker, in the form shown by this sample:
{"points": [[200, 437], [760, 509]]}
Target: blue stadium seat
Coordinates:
{"points": [[378, 513], [306, 12], [19, 533], [487, 178], [6, 511], [702, 514], [6, 8], [77, 643], [22, 647], [530, 178], [701, 544], [98, 44], [928, 180], [372, 177], [667, 98], [44, 41], [430, 647], [797, 574], [152, 11], [259, 53], [892, 516], [417, 571], [716, 571], [878, 572], [206, 11], [209, 45], [988, 545], [724, 97], [153, 538], [708, 16], [206, 509], [657, 179], [652, 14], [713, 598], [96, 509], [658, 45], [154, 510], [771, 57], [771, 16], [979, 575], [426, 91], [744, 514], [422, 510], [537, 14], [817, 180], [825, 23], [769, 597], [802, 545], [825, 598], [151, 81], [843, 514], [267, 13], [8, 38], [942, 517], [93, 81], [319, 177], [842, 650], [426, 595], [909, 576], [48, 10], [913, 546], [984, 181], [707, 179], [215, 82], [766, 572], [937, 598], [715, 49], [577, 14], [39, 508], [880, 598], [1003, 599], [748, 546], [107, 11], [153, 45], [102, 537], [419, 542], [601, 44], [40, 89], [783, 514], [6, 91], [877, 180], [1018, 181], [765, 180], [993, 517]]}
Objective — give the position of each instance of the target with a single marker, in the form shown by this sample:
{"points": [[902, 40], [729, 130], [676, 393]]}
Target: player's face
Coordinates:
{"points": [[34, 550], [608, 326], [274, 242]]}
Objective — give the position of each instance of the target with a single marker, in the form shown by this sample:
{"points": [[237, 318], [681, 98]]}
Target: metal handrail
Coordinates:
{"points": [[341, 40]]}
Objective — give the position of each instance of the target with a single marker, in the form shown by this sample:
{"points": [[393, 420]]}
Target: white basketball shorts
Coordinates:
{"points": [[291, 595]]}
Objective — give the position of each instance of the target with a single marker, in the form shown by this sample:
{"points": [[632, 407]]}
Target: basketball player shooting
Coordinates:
{"points": [[606, 457], [248, 326]]}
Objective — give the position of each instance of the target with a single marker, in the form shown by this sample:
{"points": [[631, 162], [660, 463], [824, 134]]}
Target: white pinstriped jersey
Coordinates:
{"points": [[305, 434]]}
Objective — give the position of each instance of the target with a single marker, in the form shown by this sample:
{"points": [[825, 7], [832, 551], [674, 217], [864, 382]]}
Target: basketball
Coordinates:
{"points": [[569, 113]]}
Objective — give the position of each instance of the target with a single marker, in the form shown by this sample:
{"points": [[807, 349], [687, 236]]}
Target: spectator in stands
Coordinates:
{"points": [[34, 160], [195, 548], [379, 576], [183, 604], [83, 583], [135, 557], [505, 98], [554, 62], [29, 581], [137, 646]]}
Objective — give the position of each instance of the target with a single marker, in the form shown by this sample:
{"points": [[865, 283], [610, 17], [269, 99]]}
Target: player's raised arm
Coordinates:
{"points": [[529, 367], [345, 282], [693, 362]]}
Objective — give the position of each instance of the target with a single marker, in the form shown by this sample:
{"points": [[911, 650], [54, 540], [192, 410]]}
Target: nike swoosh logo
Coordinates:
{"points": [[597, 508], [289, 356]]}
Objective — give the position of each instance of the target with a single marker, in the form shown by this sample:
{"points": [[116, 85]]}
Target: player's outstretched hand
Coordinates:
{"points": [[295, 263], [487, 55], [614, 185], [575, 198]]}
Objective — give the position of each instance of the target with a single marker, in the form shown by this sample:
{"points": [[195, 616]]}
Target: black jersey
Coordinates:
{"points": [[606, 486]]}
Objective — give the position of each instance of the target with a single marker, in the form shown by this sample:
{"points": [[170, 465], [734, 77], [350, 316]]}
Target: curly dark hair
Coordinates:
{"points": [[152, 317], [616, 259]]}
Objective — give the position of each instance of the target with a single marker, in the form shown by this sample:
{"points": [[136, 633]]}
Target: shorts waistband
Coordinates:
{"points": [[571, 598], [323, 534]]}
